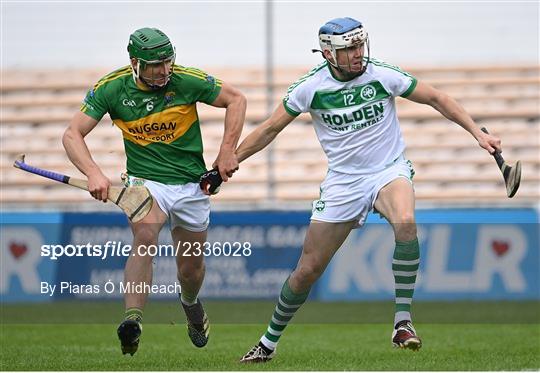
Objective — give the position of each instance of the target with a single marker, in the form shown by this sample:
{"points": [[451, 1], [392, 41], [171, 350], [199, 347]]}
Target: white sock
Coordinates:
{"points": [[268, 343], [401, 316]]}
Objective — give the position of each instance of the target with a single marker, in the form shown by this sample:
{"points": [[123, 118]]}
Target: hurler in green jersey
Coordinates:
{"points": [[153, 102]]}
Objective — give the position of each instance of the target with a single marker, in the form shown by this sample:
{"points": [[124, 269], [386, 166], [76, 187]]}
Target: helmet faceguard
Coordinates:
{"points": [[155, 56], [344, 33]]}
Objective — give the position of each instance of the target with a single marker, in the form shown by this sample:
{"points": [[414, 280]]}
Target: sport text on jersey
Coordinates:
{"points": [[154, 131], [165, 126]]}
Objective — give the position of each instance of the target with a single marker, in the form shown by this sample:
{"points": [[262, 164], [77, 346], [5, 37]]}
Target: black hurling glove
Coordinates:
{"points": [[210, 181]]}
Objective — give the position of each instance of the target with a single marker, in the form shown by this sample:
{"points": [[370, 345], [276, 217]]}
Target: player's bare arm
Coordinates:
{"points": [[235, 103], [263, 135], [78, 153], [452, 110]]}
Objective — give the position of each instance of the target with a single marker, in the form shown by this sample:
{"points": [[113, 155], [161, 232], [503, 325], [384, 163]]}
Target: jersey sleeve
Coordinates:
{"points": [[202, 87], [397, 81], [95, 103], [296, 101]]}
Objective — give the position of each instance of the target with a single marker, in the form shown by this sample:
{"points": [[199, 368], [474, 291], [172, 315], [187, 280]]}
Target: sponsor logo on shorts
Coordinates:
{"points": [[320, 205]]}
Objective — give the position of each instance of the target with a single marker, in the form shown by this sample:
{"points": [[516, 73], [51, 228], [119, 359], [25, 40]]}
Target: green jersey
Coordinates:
{"points": [[162, 135]]}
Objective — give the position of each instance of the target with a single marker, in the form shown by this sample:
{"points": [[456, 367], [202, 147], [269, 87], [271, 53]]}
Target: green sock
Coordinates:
{"points": [[405, 268], [288, 303], [133, 314]]}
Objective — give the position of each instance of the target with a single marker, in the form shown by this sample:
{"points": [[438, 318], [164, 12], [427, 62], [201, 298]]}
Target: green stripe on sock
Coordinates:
{"points": [[290, 297], [409, 246], [405, 256], [403, 307], [273, 338], [405, 280], [277, 316], [286, 309], [405, 267], [277, 327], [404, 293], [407, 250]]}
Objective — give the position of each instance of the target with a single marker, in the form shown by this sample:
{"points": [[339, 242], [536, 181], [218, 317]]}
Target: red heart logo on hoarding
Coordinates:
{"points": [[17, 250], [500, 247]]}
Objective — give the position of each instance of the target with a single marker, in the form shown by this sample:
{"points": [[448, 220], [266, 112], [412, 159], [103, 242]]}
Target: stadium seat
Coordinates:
{"points": [[450, 168]]}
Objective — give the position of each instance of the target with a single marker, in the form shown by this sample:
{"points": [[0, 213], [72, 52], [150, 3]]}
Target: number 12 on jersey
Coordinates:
{"points": [[348, 99]]}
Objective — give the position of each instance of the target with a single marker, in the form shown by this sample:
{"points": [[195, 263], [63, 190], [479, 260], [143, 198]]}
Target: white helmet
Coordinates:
{"points": [[342, 33]]}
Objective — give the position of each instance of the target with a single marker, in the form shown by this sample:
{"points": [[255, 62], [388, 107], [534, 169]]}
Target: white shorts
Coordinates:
{"points": [[186, 205], [346, 197]]}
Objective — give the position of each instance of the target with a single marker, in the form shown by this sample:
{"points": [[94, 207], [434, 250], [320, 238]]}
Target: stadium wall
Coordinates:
{"points": [[466, 254]]}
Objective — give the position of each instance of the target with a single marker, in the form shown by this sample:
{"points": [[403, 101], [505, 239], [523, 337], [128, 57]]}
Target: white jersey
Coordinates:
{"points": [[356, 121]]}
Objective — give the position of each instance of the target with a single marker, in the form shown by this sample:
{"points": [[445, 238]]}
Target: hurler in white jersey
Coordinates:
{"points": [[356, 120], [351, 98]]}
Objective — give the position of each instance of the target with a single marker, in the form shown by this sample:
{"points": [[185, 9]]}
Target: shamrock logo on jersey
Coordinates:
{"points": [[368, 92], [320, 205]]}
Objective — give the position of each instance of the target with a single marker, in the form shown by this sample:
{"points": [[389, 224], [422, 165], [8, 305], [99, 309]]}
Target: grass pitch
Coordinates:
{"points": [[334, 345]]}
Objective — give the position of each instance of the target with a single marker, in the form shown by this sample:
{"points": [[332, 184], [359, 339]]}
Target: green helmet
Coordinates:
{"points": [[149, 46]]}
